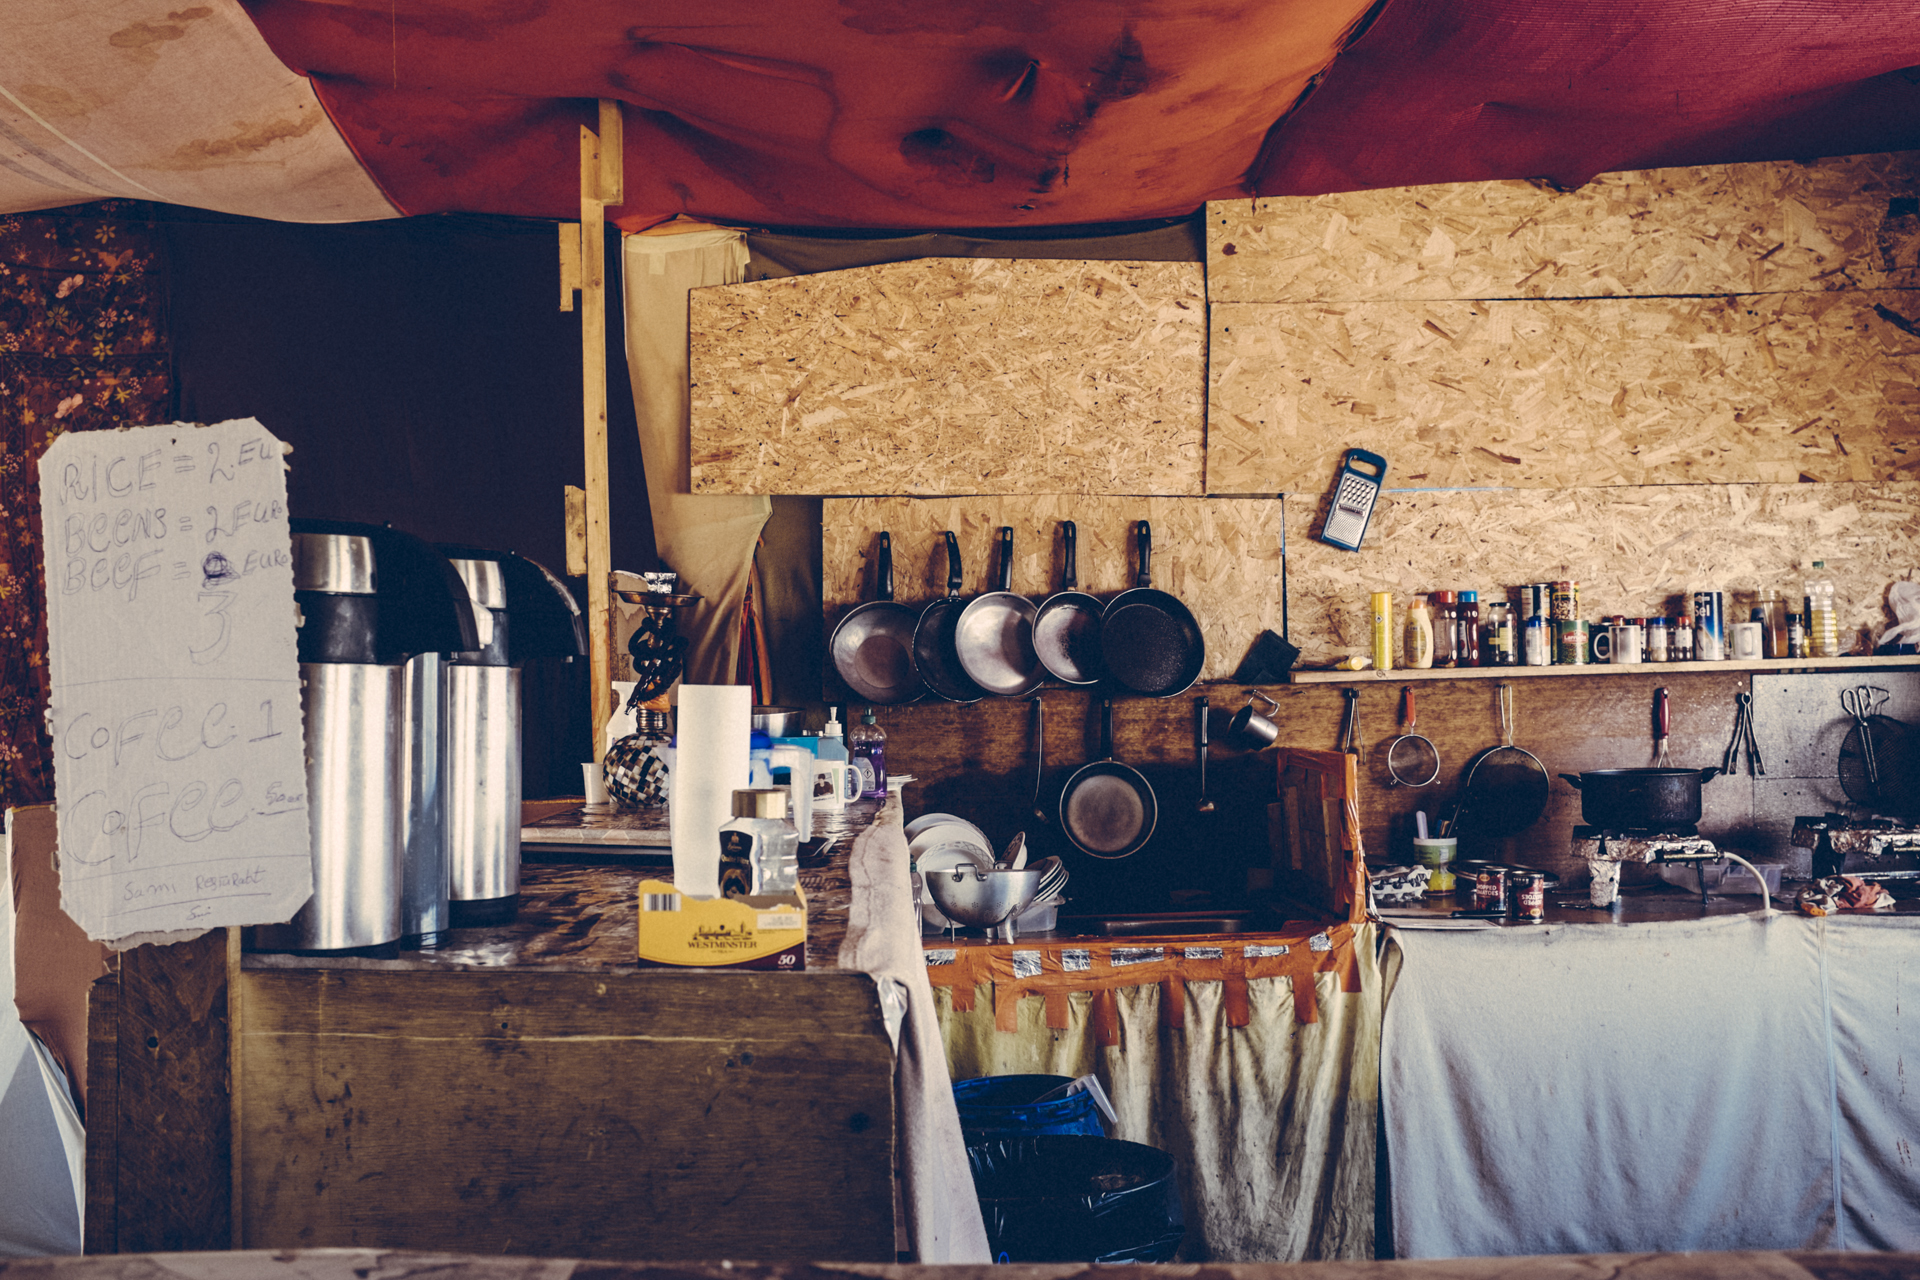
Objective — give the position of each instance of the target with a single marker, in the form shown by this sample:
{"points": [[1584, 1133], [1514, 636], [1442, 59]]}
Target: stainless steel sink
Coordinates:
{"points": [[1149, 923]]}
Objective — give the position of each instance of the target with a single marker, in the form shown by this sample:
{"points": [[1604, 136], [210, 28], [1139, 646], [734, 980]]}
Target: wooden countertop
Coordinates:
{"points": [[584, 916]]}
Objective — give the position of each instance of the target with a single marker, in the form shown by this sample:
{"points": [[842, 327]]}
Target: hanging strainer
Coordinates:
{"points": [[1412, 760], [1504, 789]]}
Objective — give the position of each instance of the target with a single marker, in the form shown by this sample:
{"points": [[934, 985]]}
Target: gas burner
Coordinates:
{"points": [[1835, 838], [1681, 844]]}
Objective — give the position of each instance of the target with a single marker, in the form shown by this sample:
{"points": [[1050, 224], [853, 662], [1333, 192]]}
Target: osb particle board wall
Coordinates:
{"points": [[1732, 323], [944, 376], [1712, 229], [1633, 549], [1550, 394]]}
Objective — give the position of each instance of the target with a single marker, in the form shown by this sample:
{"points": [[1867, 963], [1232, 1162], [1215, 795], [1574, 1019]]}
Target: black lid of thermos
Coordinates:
{"points": [[372, 593], [546, 621]]}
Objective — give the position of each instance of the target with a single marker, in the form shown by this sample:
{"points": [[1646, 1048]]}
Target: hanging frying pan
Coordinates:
{"points": [[934, 654], [995, 636], [1066, 630], [1149, 641], [1107, 809], [872, 648]]}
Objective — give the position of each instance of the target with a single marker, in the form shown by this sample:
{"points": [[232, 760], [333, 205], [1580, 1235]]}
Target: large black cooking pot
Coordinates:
{"points": [[1640, 799]]}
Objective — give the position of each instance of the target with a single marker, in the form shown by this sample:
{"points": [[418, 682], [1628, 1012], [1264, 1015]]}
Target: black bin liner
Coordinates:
{"points": [[1072, 1198]]}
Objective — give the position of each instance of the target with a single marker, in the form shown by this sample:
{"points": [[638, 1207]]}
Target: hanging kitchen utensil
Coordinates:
{"points": [[1039, 751], [1503, 789], [1108, 809], [1412, 759], [995, 637], [1149, 641], [934, 653], [872, 647], [1662, 725], [1066, 630], [1200, 742], [1742, 738], [1350, 722], [1879, 761], [1249, 729]]}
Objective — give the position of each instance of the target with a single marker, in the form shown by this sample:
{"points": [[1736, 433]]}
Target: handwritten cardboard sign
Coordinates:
{"points": [[179, 773]]}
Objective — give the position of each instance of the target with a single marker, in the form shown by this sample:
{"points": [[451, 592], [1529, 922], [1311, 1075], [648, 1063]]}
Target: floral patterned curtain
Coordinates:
{"points": [[83, 347]]}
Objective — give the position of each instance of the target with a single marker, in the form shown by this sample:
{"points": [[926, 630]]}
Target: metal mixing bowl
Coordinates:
{"points": [[778, 722], [981, 898]]}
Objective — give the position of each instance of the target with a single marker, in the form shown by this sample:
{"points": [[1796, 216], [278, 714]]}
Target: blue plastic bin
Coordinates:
{"points": [[1003, 1107]]}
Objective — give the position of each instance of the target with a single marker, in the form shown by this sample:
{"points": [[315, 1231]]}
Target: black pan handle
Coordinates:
{"points": [[953, 564], [1006, 557], [1070, 537], [885, 584], [1106, 728], [1145, 537], [1574, 778]]}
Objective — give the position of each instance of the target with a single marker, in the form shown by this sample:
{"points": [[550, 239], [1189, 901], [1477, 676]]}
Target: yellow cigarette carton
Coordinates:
{"points": [[766, 932]]}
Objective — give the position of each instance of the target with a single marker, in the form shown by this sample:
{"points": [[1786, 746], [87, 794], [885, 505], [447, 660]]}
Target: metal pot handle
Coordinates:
{"points": [[884, 575], [1006, 558], [1070, 538], [1709, 773], [954, 579], [1574, 778]]}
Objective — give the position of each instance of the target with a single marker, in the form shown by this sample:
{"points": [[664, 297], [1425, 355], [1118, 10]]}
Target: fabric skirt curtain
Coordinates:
{"points": [[1271, 1117]]}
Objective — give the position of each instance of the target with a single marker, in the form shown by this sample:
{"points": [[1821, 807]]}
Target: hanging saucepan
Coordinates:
{"points": [[1640, 799], [1149, 641], [872, 648], [1066, 630], [934, 653], [995, 636], [1107, 808]]}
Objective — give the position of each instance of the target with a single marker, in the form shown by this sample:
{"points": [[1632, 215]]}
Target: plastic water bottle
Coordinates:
{"points": [[1823, 619]]}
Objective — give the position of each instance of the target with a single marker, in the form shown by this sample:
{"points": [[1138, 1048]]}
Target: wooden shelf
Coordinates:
{"points": [[1778, 666]]}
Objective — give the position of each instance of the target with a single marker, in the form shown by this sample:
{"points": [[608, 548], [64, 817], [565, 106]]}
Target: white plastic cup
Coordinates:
{"points": [[1604, 889], [594, 779]]}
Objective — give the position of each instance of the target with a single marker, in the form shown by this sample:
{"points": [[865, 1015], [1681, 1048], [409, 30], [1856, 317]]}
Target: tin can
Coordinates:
{"points": [[1382, 602], [1536, 642], [1490, 889], [1659, 632], [1536, 600], [1709, 625], [1566, 601], [1571, 642], [1530, 898]]}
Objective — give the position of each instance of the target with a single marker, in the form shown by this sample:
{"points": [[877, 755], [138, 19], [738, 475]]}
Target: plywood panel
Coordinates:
{"points": [[952, 376], [1221, 556], [675, 1115], [1770, 388], [1742, 228], [1632, 549]]}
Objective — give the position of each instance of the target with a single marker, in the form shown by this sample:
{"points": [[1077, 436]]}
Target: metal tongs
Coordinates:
{"points": [[1743, 738]]}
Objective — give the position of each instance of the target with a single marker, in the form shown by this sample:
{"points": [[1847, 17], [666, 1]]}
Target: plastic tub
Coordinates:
{"points": [[1729, 879]]}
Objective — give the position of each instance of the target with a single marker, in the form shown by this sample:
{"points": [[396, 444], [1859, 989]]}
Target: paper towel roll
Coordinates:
{"points": [[709, 765]]}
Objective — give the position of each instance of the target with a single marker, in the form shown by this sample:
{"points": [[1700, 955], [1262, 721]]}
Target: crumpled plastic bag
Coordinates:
{"points": [[1844, 893], [1904, 599]]}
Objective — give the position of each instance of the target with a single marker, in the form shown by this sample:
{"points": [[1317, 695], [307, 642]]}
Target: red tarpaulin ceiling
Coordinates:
{"points": [[902, 113]]}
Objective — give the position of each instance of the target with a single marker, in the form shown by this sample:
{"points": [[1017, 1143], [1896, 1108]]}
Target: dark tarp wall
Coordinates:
{"points": [[425, 375]]}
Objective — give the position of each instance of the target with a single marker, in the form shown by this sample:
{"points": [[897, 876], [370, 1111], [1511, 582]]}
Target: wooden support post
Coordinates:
{"points": [[593, 364]]}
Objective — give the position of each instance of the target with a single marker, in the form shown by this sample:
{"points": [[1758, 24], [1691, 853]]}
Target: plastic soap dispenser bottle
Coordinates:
{"points": [[834, 778], [759, 848], [867, 745]]}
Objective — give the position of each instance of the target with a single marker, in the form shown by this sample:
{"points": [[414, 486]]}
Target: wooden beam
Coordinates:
{"points": [[593, 364]]}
